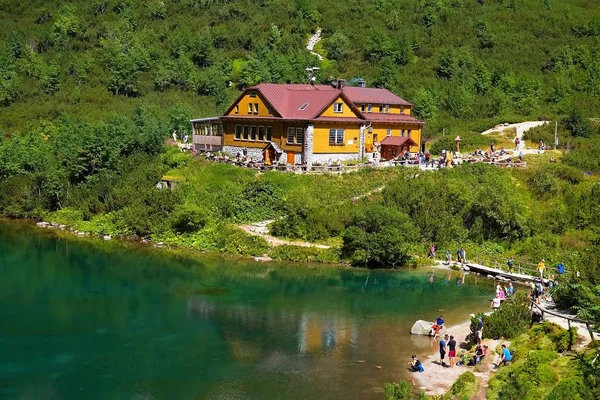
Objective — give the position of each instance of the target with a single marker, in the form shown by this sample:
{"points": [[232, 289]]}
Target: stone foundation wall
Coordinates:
{"points": [[323, 158], [254, 153]]}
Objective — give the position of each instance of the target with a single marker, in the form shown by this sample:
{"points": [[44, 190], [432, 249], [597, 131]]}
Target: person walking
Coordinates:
{"points": [[174, 136], [448, 256], [511, 263], [459, 255], [432, 251], [443, 348], [451, 350], [479, 329], [540, 267]]}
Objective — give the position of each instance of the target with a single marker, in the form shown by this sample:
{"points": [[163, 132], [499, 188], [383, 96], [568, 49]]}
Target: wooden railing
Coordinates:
{"points": [[588, 324]]}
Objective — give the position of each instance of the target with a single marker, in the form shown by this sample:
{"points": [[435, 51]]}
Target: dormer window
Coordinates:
{"points": [[303, 107], [381, 108], [249, 108], [253, 94], [362, 107], [338, 107], [387, 108], [401, 109], [255, 108], [369, 108]]}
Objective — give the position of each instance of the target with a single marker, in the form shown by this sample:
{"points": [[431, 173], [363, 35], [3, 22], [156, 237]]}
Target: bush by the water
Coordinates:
{"points": [[509, 321], [305, 254]]}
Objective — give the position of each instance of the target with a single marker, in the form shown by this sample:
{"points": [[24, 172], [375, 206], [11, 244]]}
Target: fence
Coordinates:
{"points": [[521, 266], [588, 324]]}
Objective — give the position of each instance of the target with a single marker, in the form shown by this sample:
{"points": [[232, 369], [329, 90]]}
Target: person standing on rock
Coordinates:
{"points": [[443, 350], [451, 350]]}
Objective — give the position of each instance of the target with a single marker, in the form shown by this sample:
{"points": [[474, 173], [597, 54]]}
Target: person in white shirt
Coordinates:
{"points": [[496, 302]]}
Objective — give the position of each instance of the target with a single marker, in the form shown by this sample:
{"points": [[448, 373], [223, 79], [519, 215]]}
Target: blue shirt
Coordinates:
{"points": [[442, 345], [439, 321], [506, 354]]}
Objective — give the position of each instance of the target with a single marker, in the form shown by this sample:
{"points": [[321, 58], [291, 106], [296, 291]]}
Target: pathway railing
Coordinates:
{"points": [[588, 324]]}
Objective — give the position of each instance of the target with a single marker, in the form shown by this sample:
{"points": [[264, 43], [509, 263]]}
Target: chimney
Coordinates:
{"points": [[362, 83], [341, 84]]}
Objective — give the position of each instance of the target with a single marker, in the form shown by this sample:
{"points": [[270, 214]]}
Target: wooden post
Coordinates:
{"points": [[587, 325], [569, 323]]}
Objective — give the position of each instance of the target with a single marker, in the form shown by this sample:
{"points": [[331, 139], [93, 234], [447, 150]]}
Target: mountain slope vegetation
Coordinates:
{"points": [[465, 64]]}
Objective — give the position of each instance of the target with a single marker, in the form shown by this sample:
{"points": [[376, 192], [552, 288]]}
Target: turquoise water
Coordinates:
{"points": [[97, 320]]}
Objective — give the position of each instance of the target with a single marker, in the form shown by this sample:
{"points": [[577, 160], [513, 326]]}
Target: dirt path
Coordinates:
{"points": [[312, 41], [262, 229]]}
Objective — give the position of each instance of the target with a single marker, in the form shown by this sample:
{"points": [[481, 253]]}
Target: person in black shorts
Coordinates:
{"points": [[443, 350], [451, 351]]}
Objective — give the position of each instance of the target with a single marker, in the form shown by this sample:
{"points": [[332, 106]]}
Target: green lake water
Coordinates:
{"points": [[84, 319]]}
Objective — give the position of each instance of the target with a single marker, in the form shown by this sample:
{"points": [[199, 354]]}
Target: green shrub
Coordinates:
{"points": [[305, 254], [464, 387], [378, 237], [508, 322]]}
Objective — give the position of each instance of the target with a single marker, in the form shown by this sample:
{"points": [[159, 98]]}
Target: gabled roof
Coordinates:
{"points": [[360, 95], [397, 141], [307, 102]]}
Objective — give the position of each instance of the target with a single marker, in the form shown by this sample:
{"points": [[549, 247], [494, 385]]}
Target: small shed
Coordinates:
{"points": [[271, 153], [168, 182], [393, 146]]}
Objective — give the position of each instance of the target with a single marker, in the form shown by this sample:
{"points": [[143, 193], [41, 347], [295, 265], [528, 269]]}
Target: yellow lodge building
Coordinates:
{"points": [[307, 124]]}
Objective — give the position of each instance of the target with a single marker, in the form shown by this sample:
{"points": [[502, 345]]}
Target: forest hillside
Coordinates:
{"points": [[465, 64]]}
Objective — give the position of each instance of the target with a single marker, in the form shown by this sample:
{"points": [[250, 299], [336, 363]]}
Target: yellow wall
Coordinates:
{"points": [[279, 136], [394, 109], [380, 131], [263, 105], [346, 110], [321, 138]]}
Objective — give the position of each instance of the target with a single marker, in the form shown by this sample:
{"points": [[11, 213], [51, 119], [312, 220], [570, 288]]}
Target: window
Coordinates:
{"points": [[270, 110], [381, 108], [408, 132], [249, 108], [303, 107], [238, 132], [290, 135], [338, 107], [237, 108], [255, 108], [389, 132], [246, 130], [401, 132], [401, 109], [261, 133], [387, 108], [253, 94], [253, 133], [369, 108], [362, 107], [299, 135], [336, 137], [269, 132]]}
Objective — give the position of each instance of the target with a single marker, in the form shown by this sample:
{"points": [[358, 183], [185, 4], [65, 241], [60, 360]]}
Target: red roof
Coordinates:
{"points": [[307, 102], [404, 118], [373, 96], [397, 141]]}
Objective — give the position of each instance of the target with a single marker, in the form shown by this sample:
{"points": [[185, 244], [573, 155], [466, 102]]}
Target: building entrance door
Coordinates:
{"points": [[290, 158]]}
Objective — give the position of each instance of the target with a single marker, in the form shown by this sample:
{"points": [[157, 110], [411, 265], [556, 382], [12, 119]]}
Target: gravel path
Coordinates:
{"points": [[312, 41]]}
